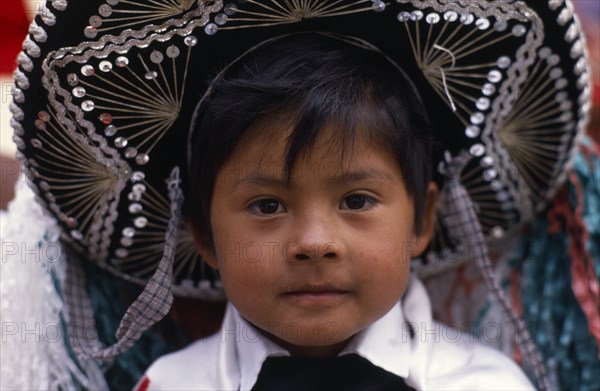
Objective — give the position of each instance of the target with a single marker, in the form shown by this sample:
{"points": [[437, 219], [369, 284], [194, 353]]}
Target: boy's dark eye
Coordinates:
{"points": [[356, 201], [266, 206]]}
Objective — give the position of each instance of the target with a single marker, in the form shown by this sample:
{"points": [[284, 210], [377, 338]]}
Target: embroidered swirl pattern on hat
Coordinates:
{"points": [[105, 93]]}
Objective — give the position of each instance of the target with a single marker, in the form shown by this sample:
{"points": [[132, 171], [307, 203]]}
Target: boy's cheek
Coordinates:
{"points": [[251, 255]]}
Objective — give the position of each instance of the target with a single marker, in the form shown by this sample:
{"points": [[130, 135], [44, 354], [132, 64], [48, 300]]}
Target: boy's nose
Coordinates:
{"points": [[315, 251], [314, 239]]}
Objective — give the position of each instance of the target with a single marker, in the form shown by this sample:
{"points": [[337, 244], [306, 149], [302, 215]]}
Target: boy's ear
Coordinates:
{"points": [[203, 246], [429, 213]]}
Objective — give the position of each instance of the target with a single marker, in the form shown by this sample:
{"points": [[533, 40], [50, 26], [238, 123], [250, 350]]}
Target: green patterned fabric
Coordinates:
{"points": [[110, 298], [545, 260]]}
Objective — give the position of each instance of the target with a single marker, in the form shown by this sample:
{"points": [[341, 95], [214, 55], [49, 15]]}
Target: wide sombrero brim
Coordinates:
{"points": [[105, 92]]}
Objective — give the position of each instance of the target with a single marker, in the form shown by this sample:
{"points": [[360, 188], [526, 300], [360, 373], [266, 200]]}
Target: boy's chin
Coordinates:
{"points": [[325, 341]]}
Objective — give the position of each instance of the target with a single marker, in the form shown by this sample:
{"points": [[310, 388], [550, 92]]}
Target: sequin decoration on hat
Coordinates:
{"points": [[105, 94]]}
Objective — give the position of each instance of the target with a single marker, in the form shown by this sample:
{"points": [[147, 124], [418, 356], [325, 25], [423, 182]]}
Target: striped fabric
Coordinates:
{"points": [[463, 226], [151, 306]]}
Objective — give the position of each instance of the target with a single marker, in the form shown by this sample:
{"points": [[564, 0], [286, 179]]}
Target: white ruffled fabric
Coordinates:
{"points": [[34, 353]]}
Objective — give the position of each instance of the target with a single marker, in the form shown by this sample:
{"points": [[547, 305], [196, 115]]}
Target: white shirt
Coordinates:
{"points": [[436, 357]]}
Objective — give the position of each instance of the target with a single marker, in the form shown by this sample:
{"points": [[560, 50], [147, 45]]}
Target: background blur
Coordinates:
{"points": [[15, 16]]}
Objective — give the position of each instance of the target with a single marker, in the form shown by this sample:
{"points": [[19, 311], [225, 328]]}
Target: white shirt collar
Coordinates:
{"points": [[252, 349], [383, 345], [233, 358], [386, 343]]}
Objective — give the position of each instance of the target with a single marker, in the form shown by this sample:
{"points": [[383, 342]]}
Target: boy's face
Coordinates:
{"points": [[316, 260]]}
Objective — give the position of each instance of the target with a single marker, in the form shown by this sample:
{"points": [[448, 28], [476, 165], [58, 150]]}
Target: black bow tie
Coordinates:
{"points": [[349, 372]]}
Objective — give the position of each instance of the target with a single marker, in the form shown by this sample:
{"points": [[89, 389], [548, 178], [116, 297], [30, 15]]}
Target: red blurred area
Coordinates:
{"points": [[13, 29]]}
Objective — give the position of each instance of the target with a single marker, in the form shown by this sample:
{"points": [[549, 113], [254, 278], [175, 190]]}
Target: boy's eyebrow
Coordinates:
{"points": [[359, 175], [343, 177]]}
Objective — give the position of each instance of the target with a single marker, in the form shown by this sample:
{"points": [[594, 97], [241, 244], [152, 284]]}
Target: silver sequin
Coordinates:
{"points": [[577, 49], [77, 235], [544, 52], [416, 15], [555, 73], [432, 18], [378, 6], [503, 62], [105, 10], [135, 207], [565, 16], [156, 57], [128, 232], [467, 19], [138, 176], [172, 51], [482, 23], [131, 152], [490, 174], [43, 184], [553, 60], [87, 70], [572, 33], [230, 9], [87, 105], [122, 61], [120, 142], [140, 222], [39, 124], [90, 32], [488, 89], [78, 92], [142, 159], [477, 150], [486, 161], [105, 66], [110, 130], [72, 79], [95, 21], [500, 25], [450, 16], [190, 40], [210, 29], [132, 196], [566, 105], [126, 242], [139, 188], [554, 4], [561, 96], [494, 76], [472, 131], [36, 143], [519, 30], [482, 103], [221, 19], [477, 118]]}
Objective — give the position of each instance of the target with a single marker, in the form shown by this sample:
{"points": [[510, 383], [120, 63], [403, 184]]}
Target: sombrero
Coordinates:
{"points": [[106, 90]]}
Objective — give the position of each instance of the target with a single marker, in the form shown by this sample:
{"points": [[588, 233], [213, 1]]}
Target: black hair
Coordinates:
{"points": [[313, 80]]}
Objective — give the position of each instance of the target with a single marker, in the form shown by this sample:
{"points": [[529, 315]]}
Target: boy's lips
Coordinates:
{"points": [[316, 289]]}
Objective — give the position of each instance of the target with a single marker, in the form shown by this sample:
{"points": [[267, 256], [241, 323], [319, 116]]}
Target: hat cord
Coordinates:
{"points": [[443, 73], [150, 306], [463, 225]]}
